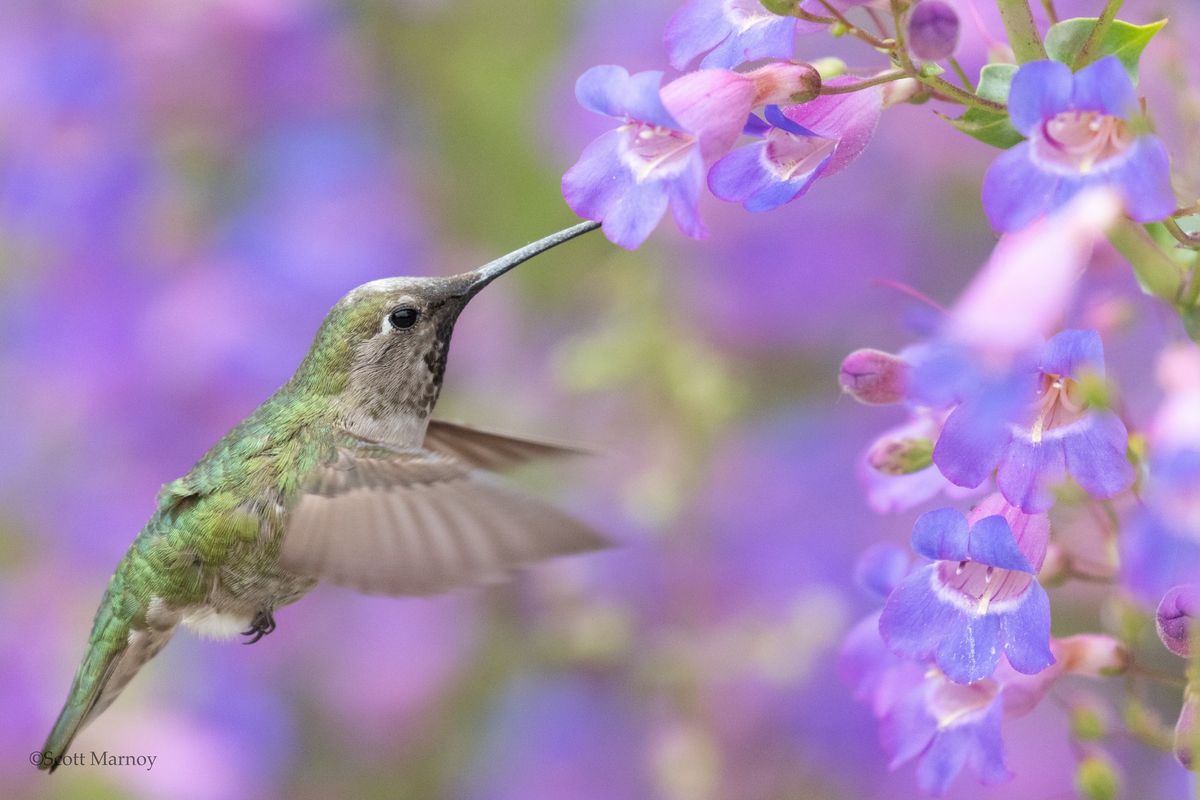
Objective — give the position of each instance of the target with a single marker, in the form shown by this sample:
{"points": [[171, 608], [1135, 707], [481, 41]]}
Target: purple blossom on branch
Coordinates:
{"points": [[1079, 135], [799, 144], [1030, 424], [979, 598]]}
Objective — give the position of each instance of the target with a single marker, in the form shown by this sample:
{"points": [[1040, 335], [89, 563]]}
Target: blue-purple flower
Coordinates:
{"points": [[979, 598], [1031, 424], [799, 144], [1079, 134], [729, 33]]}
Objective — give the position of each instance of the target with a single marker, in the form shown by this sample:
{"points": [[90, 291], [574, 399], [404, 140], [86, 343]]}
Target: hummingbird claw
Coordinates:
{"points": [[262, 624]]}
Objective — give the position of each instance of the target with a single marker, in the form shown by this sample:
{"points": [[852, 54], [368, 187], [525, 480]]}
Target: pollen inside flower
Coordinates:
{"points": [[979, 585], [654, 151], [1080, 141], [790, 156], [1058, 404]]}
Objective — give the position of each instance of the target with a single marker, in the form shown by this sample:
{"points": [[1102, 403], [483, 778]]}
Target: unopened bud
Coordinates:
{"points": [[1186, 741], [874, 377], [1096, 779], [1093, 654], [784, 8], [1087, 723], [784, 82], [901, 456], [905, 90], [933, 30], [829, 67], [1173, 619]]}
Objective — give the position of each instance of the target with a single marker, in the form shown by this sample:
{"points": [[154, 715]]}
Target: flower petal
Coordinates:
{"points": [[635, 214], [1072, 352], [683, 190], [1144, 180], [992, 542], [697, 27], [1028, 470], [774, 38], [942, 535], [914, 620], [602, 89], [1104, 86], [881, 567], [944, 760], [741, 174], [1016, 191], [850, 118], [1026, 632], [1040, 89], [712, 104], [971, 444], [1095, 448], [598, 179], [970, 648]]}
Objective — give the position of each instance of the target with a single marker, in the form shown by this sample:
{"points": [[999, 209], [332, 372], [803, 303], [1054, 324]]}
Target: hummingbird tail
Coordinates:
{"points": [[116, 651]]}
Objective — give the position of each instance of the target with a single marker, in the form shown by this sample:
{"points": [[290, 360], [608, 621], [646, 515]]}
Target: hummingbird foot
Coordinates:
{"points": [[262, 624]]}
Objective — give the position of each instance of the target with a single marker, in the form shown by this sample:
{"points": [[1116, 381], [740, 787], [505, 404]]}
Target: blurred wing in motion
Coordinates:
{"points": [[487, 449], [413, 522]]}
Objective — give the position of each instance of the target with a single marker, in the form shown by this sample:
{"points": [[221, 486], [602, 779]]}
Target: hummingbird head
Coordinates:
{"points": [[382, 349]]}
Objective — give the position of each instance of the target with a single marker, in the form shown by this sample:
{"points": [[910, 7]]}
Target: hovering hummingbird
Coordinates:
{"points": [[340, 476]]}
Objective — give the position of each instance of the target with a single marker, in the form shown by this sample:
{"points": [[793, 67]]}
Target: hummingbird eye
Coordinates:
{"points": [[403, 317]]}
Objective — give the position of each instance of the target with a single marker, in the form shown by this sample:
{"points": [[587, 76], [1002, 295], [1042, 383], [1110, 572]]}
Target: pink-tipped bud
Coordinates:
{"points": [[874, 377], [933, 30], [783, 82], [1092, 654], [1176, 611], [1186, 736]]}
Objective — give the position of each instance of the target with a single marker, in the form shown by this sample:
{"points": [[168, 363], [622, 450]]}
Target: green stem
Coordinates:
{"points": [[1051, 12], [1186, 239], [967, 83], [853, 29], [1087, 53], [1157, 271], [883, 77], [1023, 34]]}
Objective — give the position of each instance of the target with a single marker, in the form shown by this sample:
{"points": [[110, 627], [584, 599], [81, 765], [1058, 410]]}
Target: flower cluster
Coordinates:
{"points": [[1012, 412]]}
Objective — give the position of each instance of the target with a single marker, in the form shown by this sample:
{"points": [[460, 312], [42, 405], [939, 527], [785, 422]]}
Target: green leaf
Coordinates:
{"points": [[1123, 40], [991, 127]]}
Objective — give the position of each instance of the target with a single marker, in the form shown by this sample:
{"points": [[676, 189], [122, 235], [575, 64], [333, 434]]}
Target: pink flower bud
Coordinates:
{"points": [[874, 377], [1176, 611], [1091, 654], [783, 82], [933, 30]]}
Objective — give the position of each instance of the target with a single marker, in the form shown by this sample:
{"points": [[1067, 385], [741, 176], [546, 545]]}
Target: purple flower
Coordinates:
{"points": [[945, 726], [1031, 424], [933, 30], [729, 33], [799, 144], [1174, 618], [1078, 135], [657, 157], [979, 598]]}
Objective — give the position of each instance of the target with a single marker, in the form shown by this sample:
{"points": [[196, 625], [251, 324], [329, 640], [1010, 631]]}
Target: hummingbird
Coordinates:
{"points": [[340, 476]]}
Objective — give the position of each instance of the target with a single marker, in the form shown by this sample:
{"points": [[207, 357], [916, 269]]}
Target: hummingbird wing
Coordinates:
{"points": [[488, 449], [384, 520]]}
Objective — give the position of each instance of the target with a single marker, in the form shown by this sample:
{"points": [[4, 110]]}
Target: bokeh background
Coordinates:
{"points": [[187, 187]]}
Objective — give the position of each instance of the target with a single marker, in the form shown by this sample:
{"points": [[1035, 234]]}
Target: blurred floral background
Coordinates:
{"points": [[185, 190]]}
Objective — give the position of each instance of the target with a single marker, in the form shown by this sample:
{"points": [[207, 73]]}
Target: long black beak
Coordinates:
{"points": [[476, 279]]}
